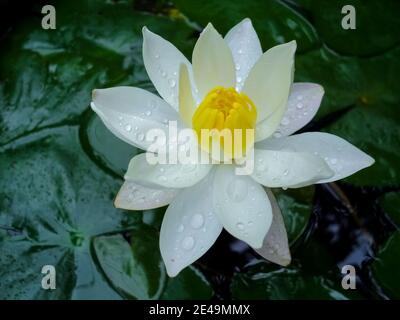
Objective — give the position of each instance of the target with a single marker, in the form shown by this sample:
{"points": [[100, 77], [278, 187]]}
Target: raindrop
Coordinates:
{"points": [[197, 221], [299, 106], [286, 172], [148, 113], [163, 73], [188, 243], [140, 137], [239, 79], [128, 127], [237, 189], [172, 82], [240, 51], [250, 223], [277, 134], [237, 67], [157, 56], [285, 121], [240, 226], [334, 161]]}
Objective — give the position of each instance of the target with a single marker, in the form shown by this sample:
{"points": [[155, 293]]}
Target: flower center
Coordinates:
{"points": [[227, 118]]}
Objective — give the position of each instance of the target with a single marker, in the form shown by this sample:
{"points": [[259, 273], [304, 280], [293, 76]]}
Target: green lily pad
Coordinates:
{"points": [[106, 149], [274, 21], [288, 284], [386, 267], [371, 88], [52, 204], [390, 203], [296, 207], [377, 20], [135, 270], [57, 189], [188, 284], [350, 81], [48, 75]]}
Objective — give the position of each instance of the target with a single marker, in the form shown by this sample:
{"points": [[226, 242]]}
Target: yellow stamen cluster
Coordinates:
{"points": [[225, 108]]}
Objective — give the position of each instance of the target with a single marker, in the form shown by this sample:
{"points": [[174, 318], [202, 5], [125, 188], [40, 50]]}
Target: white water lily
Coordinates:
{"points": [[257, 93]]}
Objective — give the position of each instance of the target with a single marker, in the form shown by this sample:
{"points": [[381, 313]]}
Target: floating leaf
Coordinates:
{"points": [[377, 20], [391, 204], [135, 270], [386, 267], [274, 21]]}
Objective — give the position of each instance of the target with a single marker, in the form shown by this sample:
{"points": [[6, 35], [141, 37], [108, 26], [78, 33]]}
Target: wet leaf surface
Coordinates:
{"points": [[385, 268], [274, 21]]}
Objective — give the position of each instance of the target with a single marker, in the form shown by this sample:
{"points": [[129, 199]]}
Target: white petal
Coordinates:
{"points": [[130, 113], [275, 246], [246, 49], [343, 158], [242, 206], [268, 83], [304, 101], [190, 227], [288, 168], [165, 175], [187, 104], [162, 61], [212, 62], [133, 196]]}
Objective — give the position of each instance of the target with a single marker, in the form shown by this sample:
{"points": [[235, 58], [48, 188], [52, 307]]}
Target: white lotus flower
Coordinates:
{"points": [[254, 90]]}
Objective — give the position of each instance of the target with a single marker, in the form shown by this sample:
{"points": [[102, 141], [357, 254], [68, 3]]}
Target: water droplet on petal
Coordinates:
{"points": [[197, 221], [286, 172], [285, 121], [140, 136], [181, 228], [128, 127], [172, 82], [237, 67], [148, 113], [240, 226], [334, 160], [188, 243], [299, 105]]}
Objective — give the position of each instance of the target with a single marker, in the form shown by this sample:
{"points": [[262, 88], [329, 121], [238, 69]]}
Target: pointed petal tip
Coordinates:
{"points": [[247, 22], [145, 30], [172, 271]]}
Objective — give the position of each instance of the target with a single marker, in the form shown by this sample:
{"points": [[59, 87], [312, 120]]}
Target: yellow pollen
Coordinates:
{"points": [[230, 113]]}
